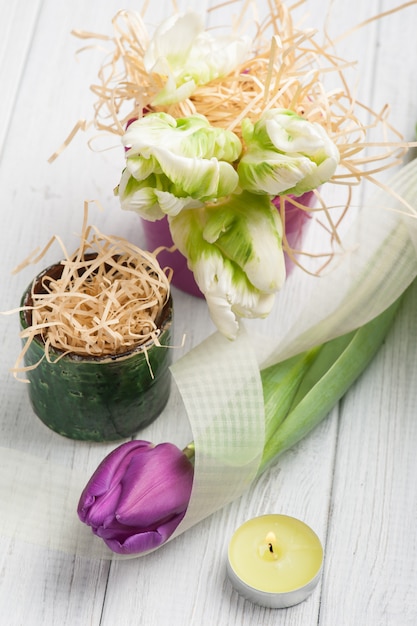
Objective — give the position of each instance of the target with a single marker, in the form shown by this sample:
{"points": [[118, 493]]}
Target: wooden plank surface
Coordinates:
{"points": [[352, 479]]}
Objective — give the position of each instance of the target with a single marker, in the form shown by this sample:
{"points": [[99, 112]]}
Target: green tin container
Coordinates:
{"points": [[98, 398]]}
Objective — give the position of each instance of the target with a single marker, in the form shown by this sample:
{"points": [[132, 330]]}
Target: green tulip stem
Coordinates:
{"points": [[326, 374], [189, 451]]}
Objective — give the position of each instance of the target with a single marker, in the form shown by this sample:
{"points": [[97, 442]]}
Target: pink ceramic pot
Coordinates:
{"points": [[158, 234]]}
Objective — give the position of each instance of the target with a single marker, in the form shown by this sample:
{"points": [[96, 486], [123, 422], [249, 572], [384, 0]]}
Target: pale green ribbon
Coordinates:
{"points": [[220, 384]]}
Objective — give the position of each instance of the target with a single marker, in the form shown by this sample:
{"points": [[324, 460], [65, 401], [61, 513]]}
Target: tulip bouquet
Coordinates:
{"points": [[226, 135], [219, 202]]}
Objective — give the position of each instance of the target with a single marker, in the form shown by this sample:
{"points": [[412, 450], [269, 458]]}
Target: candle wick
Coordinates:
{"points": [[270, 548]]}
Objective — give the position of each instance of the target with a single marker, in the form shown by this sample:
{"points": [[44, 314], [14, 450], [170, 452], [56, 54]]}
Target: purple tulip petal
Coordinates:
{"points": [[137, 496], [144, 541], [113, 464], [155, 485], [107, 476]]}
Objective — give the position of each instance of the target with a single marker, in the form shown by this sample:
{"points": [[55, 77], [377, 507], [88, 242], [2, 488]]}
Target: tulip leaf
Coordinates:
{"points": [[336, 366]]}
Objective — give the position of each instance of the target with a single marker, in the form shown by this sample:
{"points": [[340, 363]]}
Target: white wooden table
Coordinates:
{"points": [[353, 479]]}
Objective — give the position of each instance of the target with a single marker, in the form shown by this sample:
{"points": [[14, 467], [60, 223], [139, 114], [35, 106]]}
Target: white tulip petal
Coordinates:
{"points": [[187, 56], [286, 154], [172, 205], [173, 39], [144, 202]]}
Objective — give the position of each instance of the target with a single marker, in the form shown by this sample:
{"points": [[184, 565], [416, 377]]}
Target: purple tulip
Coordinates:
{"points": [[137, 496]]}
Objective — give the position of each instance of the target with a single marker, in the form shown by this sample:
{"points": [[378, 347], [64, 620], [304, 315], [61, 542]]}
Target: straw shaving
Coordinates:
{"points": [[107, 301]]}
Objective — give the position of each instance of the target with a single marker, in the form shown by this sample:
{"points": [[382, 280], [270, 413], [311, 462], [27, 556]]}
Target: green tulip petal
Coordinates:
{"points": [[199, 178], [227, 266], [248, 230], [186, 157]]}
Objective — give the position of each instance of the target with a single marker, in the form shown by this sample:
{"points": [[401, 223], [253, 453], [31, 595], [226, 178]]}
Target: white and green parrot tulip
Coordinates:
{"points": [[173, 164], [186, 56], [286, 154], [235, 251]]}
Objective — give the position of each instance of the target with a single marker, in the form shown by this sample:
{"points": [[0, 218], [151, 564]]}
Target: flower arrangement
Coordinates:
{"points": [[221, 132]]}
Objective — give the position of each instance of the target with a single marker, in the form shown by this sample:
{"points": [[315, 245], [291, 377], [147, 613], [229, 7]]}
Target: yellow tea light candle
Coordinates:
{"points": [[274, 560]]}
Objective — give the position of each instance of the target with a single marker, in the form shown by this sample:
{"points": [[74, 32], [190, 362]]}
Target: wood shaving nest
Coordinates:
{"points": [[107, 298]]}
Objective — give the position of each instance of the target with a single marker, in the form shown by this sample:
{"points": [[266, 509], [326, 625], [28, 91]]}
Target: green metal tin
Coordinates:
{"points": [[99, 399]]}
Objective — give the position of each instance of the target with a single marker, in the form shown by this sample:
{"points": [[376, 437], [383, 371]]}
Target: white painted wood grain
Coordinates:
{"points": [[17, 25], [352, 480], [371, 566]]}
